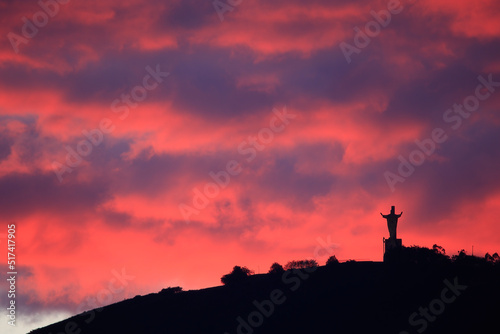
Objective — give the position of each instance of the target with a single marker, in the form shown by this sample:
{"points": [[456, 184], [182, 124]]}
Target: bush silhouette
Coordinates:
{"points": [[301, 264], [276, 268], [171, 290], [238, 274]]}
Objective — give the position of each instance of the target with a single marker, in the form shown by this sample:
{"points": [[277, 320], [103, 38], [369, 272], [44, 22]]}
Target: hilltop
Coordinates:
{"points": [[352, 297]]}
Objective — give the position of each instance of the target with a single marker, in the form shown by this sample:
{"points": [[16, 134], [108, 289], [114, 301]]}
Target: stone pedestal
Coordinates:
{"points": [[392, 250], [392, 243]]}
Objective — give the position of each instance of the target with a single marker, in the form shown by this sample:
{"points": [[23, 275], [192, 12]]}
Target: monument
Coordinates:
{"points": [[393, 243]]}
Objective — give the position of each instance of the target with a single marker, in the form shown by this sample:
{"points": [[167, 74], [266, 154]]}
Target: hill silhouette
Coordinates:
{"points": [[425, 292]]}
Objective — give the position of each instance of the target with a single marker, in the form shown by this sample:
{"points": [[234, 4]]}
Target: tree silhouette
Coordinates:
{"points": [[237, 275], [418, 255], [490, 259], [332, 260], [460, 257], [276, 268], [496, 258], [464, 259], [438, 249]]}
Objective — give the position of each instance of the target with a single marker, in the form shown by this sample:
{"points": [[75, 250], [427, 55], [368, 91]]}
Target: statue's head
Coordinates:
{"points": [[393, 209]]}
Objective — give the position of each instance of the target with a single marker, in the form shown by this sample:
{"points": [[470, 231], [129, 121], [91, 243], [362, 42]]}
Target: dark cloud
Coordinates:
{"points": [[469, 174], [23, 195], [188, 15], [5, 150]]}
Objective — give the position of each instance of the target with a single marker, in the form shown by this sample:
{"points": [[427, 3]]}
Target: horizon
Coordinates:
{"points": [[171, 141]]}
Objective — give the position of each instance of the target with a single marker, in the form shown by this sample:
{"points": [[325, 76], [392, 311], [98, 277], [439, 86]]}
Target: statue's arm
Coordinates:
{"points": [[400, 214]]}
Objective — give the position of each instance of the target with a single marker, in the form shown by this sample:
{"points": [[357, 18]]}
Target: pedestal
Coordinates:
{"points": [[392, 249], [392, 243]]}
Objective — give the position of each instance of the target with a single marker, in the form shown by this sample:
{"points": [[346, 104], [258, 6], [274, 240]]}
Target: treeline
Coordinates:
{"points": [[437, 255], [240, 273], [410, 255]]}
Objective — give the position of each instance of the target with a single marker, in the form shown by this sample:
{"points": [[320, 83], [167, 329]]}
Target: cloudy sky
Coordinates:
{"points": [[146, 144]]}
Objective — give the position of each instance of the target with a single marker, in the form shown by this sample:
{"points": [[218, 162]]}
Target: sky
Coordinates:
{"points": [[153, 144]]}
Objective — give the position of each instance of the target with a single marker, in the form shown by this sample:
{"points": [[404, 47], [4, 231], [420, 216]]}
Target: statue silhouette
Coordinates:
{"points": [[392, 222]]}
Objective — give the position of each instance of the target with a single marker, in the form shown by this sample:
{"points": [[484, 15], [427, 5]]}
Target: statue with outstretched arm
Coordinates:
{"points": [[392, 222]]}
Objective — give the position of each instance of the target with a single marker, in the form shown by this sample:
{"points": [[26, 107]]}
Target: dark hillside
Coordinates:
{"points": [[361, 297]]}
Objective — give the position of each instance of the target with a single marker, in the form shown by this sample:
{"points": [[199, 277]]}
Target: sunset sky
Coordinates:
{"points": [[116, 116]]}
